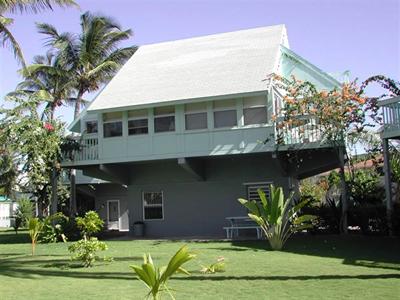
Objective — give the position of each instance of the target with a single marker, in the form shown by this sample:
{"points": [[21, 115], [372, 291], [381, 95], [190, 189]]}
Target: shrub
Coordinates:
{"points": [[86, 250], [156, 278], [52, 228], [17, 223], [24, 210], [363, 187], [278, 217], [89, 224], [35, 226]]}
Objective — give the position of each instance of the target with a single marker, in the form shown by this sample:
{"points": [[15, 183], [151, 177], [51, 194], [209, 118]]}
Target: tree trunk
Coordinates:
{"points": [[54, 196], [78, 103], [72, 199]]}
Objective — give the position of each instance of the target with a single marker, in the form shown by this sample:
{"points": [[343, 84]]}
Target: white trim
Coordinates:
{"points": [[162, 205], [119, 213], [258, 182]]}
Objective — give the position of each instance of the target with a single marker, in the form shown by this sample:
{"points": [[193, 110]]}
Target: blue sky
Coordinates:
{"points": [[362, 36]]}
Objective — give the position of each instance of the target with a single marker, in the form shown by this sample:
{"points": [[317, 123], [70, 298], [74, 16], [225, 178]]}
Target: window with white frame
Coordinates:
{"points": [[252, 190], [112, 124], [196, 116], [91, 126], [138, 122], [255, 110], [164, 119], [153, 206], [225, 113]]}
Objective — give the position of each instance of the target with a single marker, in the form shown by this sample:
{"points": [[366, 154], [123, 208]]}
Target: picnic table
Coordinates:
{"points": [[239, 223]]}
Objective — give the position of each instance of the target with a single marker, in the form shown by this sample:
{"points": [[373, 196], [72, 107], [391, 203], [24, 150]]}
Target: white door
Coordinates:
{"points": [[113, 214]]}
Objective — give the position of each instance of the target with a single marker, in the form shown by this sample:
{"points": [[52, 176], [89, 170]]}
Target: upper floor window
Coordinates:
{"points": [[196, 116], [164, 119], [91, 126], [225, 113], [112, 124], [138, 122], [255, 110]]}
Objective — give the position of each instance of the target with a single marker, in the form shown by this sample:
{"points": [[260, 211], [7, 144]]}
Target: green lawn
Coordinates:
{"points": [[312, 267]]}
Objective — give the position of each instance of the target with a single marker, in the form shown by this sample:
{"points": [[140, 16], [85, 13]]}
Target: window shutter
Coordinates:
{"points": [[252, 191]]}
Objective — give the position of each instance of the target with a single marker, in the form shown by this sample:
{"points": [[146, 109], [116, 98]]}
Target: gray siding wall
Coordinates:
{"points": [[191, 207]]}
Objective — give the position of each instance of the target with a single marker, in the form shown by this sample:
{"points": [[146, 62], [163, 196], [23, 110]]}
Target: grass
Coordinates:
{"points": [[311, 267]]}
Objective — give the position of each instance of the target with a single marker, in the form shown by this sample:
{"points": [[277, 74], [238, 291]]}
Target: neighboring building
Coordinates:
{"points": [[7, 208], [185, 129]]}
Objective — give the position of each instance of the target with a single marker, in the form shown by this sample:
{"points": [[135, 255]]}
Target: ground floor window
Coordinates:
{"points": [[153, 205], [252, 190]]}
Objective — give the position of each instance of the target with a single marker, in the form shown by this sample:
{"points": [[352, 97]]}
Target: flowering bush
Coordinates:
{"points": [[337, 111]]}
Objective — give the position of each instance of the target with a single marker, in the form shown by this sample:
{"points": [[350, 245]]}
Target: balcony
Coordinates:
{"points": [[391, 117], [81, 149], [303, 131]]}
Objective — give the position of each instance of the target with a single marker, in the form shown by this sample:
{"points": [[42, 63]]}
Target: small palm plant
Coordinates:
{"points": [[156, 278], [278, 217], [35, 227]]}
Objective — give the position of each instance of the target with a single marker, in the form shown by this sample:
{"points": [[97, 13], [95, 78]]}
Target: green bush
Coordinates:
{"points": [[89, 224], [86, 250], [25, 210], [52, 230]]}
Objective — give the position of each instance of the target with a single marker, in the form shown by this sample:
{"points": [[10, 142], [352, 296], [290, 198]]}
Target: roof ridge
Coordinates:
{"points": [[283, 26]]}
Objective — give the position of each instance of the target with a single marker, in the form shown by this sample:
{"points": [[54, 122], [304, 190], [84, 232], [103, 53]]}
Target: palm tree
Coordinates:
{"points": [[93, 56], [49, 81], [20, 6]]}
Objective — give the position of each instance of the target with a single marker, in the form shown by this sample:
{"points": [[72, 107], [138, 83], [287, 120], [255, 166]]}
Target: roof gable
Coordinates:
{"points": [[292, 64], [215, 65]]}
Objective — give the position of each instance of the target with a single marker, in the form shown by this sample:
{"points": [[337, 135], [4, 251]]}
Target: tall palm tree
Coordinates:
{"points": [[49, 81], [20, 6], [93, 56]]}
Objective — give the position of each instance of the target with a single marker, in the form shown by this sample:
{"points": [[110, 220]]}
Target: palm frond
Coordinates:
{"points": [[8, 40], [33, 6]]}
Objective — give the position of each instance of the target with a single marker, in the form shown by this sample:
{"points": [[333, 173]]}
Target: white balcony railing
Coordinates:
{"points": [[302, 130], [391, 114], [86, 148]]}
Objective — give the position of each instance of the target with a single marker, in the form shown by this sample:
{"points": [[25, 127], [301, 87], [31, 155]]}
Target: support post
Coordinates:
{"points": [[388, 184], [343, 219], [72, 199], [54, 196]]}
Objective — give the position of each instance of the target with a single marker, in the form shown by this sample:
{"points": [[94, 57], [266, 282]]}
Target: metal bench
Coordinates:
{"points": [[239, 223]]}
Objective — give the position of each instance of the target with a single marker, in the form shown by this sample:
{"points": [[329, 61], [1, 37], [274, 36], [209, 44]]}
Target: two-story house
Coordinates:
{"points": [[185, 128]]}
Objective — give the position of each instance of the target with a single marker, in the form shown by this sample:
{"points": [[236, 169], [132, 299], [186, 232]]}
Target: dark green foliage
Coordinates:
{"points": [[17, 223], [369, 219], [52, 230], [363, 187], [24, 211]]}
